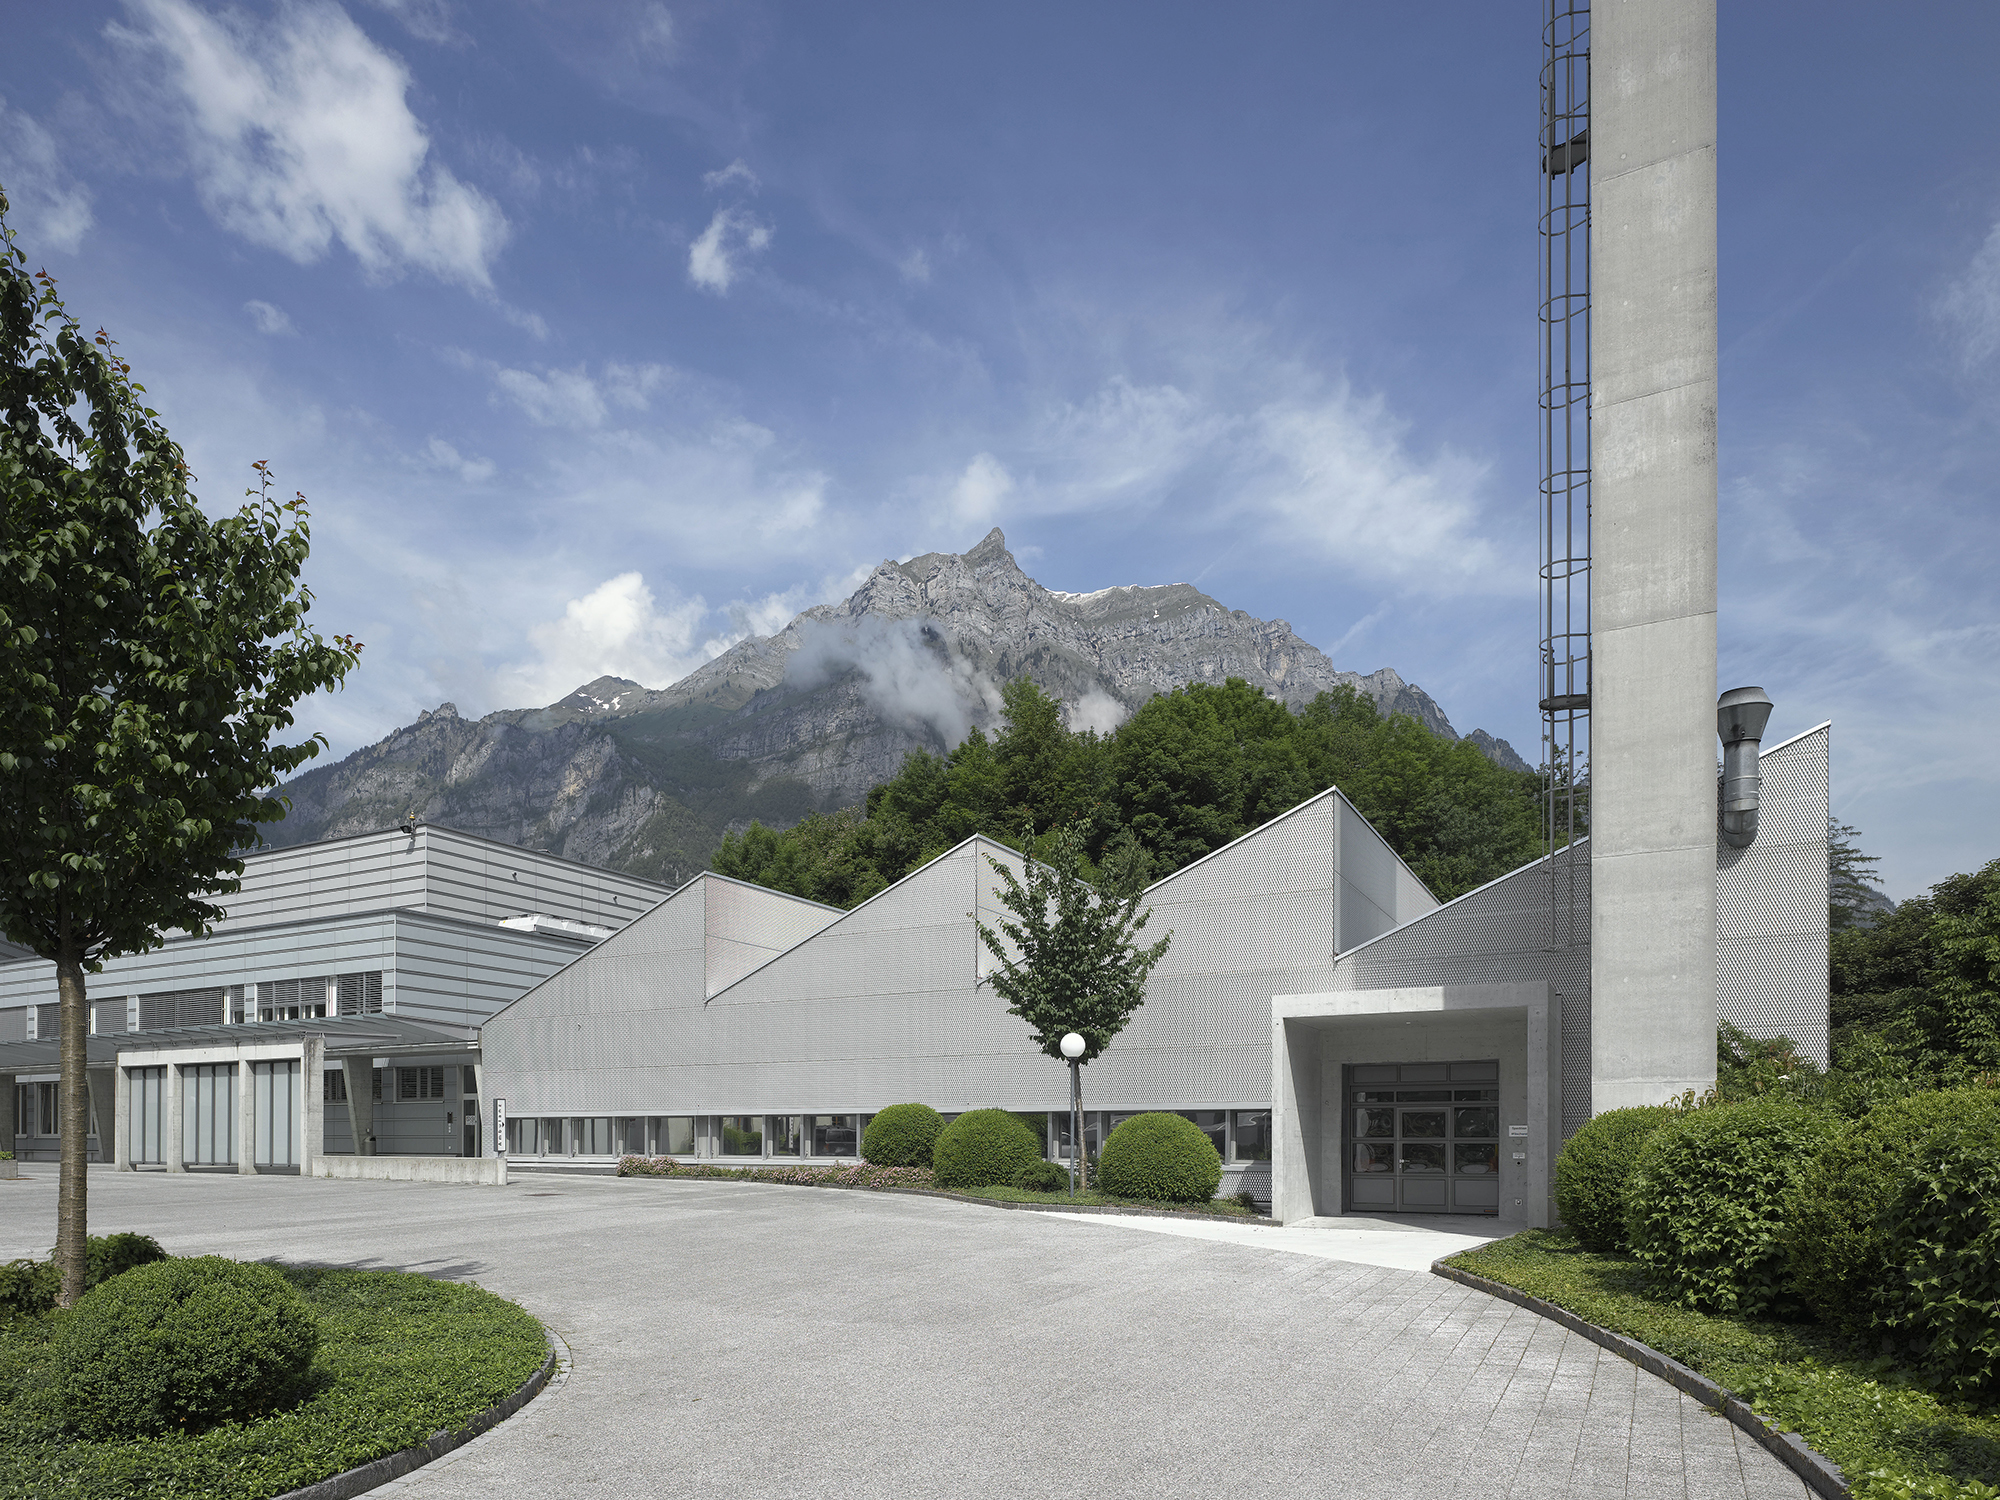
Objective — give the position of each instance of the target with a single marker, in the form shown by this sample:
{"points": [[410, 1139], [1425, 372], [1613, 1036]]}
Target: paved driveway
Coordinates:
{"points": [[746, 1340]]}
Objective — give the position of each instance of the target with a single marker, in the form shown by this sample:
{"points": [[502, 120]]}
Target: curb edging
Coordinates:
{"points": [[358, 1481], [1820, 1473]]}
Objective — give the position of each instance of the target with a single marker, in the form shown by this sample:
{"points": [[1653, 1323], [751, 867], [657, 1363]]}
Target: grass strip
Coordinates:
{"points": [[1894, 1437], [401, 1357]]}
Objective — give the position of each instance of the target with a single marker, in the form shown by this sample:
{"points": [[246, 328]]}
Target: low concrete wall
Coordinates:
{"points": [[491, 1170]]}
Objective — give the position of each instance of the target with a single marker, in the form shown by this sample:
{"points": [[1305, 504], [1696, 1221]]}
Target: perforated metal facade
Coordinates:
{"points": [[1771, 903]]}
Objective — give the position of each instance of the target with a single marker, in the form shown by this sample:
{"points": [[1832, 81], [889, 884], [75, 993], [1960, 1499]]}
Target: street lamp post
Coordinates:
{"points": [[1072, 1048]]}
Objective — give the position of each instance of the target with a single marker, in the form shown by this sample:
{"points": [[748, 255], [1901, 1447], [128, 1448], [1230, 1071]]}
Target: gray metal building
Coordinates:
{"points": [[411, 937]]}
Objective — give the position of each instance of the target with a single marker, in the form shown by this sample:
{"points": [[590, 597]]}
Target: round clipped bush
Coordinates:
{"points": [[1705, 1206], [903, 1135], [1835, 1249], [178, 1346], [1942, 1234], [983, 1147], [1041, 1177], [1162, 1157], [1594, 1168]]}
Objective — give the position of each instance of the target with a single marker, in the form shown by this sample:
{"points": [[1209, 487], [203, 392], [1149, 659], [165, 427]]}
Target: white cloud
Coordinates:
{"points": [[579, 400], [50, 209], [438, 454], [916, 266], [1971, 304], [299, 134], [736, 171], [975, 497], [654, 33], [1097, 710], [908, 672], [715, 258], [269, 319], [618, 629], [426, 20]]}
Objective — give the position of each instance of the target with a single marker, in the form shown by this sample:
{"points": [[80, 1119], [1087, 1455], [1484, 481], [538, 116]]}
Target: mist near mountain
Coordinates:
{"points": [[647, 780]]}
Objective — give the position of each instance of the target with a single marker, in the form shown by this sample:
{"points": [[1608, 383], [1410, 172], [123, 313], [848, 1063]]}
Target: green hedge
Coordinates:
{"points": [[1833, 1240], [903, 1135], [1595, 1167], [1705, 1205], [983, 1147], [1041, 1177], [1942, 1236], [1161, 1157], [180, 1345]]}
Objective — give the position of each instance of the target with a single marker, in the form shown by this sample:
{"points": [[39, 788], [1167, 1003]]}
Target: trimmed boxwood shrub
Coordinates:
{"points": [[1705, 1206], [1833, 1237], [1041, 1177], [1594, 1168], [903, 1135], [1163, 1157], [982, 1147], [1942, 1234], [180, 1345]]}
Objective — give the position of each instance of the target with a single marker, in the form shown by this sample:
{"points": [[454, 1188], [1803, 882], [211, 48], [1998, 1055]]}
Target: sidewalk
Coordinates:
{"points": [[1404, 1244]]}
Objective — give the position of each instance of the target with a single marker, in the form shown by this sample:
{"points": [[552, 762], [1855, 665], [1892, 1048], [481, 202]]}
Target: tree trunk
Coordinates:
{"points": [[72, 1195]]}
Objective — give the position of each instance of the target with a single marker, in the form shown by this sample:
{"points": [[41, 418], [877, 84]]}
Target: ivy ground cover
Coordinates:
{"points": [[1893, 1435], [400, 1357]]}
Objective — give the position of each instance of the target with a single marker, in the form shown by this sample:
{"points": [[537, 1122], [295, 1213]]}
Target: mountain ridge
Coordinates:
{"points": [[647, 779]]}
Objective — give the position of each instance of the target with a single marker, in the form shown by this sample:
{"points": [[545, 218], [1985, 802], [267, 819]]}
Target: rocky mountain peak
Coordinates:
{"points": [[646, 779]]}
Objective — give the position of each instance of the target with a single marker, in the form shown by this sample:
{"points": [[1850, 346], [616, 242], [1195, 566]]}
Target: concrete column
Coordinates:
{"points": [[246, 1119], [101, 1086], [121, 1119], [12, 1100], [170, 1122], [360, 1075], [1653, 439], [312, 1142]]}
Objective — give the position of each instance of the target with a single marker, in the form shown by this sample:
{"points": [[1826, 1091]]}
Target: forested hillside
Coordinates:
{"points": [[1189, 771]]}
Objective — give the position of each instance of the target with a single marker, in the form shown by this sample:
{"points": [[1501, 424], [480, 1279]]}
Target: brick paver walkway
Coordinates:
{"points": [[735, 1339]]}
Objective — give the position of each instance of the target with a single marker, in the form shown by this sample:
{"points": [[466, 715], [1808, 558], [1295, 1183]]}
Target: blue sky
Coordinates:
{"points": [[599, 335]]}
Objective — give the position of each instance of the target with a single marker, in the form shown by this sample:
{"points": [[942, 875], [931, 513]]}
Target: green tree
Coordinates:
{"points": [[1068, 960], [148, 657], [1852, 890]]}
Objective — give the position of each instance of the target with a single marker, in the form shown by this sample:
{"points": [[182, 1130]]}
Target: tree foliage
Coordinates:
{"points": [[1068, 959], [149, 658], [1189, 771], [1921, 987]]}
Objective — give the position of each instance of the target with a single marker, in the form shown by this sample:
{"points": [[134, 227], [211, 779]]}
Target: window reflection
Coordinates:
{"points": [[833, 1135], [742, 1135], [1425, 1123], [677, 1135], [786, 1131], [1374, 1158], [1253, 1135], [1473, 1160], [1374, 1123], [1420, 1158], [1476, 1122]]}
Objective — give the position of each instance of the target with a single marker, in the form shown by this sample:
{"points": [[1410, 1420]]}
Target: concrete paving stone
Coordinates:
{"points": [[737, 1339]]}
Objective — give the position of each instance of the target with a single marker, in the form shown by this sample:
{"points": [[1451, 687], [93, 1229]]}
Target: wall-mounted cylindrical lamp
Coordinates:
{"points": [[1740, 717]]}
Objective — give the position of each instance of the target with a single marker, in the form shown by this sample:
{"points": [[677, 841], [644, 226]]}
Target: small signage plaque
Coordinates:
{"points": [[1517, 1130], [499, 1127]]}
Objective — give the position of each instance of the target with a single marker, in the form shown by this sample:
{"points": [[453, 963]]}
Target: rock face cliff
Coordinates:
{"points": [[647, 780]]}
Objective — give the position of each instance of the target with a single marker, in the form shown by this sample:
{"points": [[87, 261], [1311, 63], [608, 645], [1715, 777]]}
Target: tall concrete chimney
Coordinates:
{"points": [[1653, 435]]}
